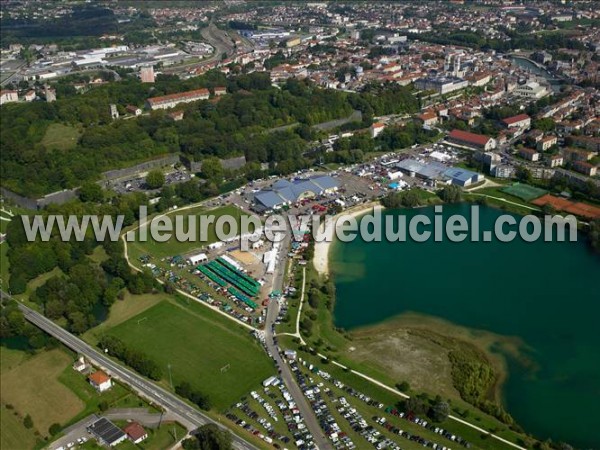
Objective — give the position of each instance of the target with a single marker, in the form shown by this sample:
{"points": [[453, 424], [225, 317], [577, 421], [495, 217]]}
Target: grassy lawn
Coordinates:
{"points": [[14, 435], [197, 343], [164, 437], [33, 387], [173, 247], [121, 311], [4, 265], [521, 207], [61, 137]]}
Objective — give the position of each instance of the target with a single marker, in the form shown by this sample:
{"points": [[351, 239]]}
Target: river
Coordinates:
{"points": [[547, 294], [528, 65]]}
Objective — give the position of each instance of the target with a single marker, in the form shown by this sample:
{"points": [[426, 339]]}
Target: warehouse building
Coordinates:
{"points": [[106, 432], [284, 192], [438, 172]]}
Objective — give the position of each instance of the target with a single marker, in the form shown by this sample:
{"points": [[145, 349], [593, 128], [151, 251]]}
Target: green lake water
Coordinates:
{"points": [[547, 294]]}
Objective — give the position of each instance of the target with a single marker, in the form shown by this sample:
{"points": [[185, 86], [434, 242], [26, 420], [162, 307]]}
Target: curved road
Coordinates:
{"points": [[148, 389]]}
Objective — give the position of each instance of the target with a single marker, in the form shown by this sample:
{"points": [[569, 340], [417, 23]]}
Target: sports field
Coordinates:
{"points": [[61, 137], [524, 191], [207, 350], [173, 247]]}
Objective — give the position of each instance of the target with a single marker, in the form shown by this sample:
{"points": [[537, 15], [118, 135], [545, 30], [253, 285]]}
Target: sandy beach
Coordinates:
{"points": [[321, 256]]}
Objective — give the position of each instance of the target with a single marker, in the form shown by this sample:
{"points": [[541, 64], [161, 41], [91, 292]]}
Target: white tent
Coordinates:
{"points": [[200, 257]]}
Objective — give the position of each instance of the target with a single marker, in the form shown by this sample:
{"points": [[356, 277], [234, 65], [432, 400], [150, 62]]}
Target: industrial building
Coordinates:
{"points": [[438, 172], [107, 432], [284, 192]]}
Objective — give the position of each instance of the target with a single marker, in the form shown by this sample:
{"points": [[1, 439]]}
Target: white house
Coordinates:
{"points": [[100, 381]]}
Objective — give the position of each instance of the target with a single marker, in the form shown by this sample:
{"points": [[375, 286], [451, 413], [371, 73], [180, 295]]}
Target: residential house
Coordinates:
{"points": [[100, 381], [377, 128], [135, 432], [546, 143], [555, 161], [585, 168], [134, 110], [7, 96], [529, 154], [522, 121]]}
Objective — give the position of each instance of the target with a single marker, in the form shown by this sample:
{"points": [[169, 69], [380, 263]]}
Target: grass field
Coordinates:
{"points": [[33, 388], [197, 343], [14, 435], [61, 137], [4, 265], [173, 247], [122, 310], [524, 191]]}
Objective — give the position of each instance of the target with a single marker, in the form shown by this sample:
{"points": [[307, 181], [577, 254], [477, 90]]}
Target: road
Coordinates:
{"points": [[285, 372], [187, 414]]}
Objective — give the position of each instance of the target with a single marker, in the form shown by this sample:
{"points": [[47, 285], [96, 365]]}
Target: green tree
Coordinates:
{"points": [[212, 169], [90, 192], [439, 411], [28, 421], [54, 429], [451, 194], [403, 386], [415, 405], [523, 174], [155, 179]]}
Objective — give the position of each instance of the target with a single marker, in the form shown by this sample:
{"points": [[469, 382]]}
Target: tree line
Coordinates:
{"points": [[136, 359]]}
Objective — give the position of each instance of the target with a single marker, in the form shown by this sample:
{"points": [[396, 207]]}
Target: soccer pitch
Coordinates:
{"points": [[210, 352]]}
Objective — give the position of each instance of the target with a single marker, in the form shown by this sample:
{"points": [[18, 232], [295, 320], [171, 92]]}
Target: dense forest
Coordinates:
{"points": [[232, 126]]}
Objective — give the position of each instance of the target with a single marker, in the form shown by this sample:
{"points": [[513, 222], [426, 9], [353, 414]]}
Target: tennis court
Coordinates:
{"points": [[524, 191]]}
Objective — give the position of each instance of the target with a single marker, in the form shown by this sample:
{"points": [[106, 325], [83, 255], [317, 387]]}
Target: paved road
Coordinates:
{"points": [[186, 413], [286, 373]]}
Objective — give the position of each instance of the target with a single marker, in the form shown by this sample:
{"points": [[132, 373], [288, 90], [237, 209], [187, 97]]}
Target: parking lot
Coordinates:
{"points": [[138, 183], [271, 415]]}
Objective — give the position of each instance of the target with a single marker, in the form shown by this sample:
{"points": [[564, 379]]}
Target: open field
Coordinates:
{"points": [[61, 137], [198, 343], [4, 264], [173, 247], [33, 388], [524, 191], [14, 435], [414, 348], [122, 310]]}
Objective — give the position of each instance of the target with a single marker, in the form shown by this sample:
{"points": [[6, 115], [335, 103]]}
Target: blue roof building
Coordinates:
{"points": [[285, 192], [462, 177]]}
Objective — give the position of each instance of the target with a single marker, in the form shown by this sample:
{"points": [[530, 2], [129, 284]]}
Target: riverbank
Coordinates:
{"points": [[321, 255]]}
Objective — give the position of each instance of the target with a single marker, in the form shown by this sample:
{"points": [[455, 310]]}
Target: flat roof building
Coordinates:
{"points": [[285, 192], [107, 432]]}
